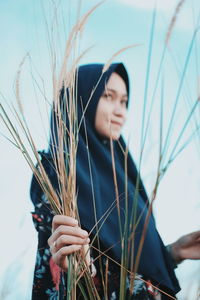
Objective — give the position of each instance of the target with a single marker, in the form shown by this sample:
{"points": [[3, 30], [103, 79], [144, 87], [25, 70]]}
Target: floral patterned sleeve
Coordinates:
{"points": [[44, 284]]}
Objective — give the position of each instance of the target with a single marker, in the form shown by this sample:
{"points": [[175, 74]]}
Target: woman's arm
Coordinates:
{"points": [[67, 237], [186, 247]]}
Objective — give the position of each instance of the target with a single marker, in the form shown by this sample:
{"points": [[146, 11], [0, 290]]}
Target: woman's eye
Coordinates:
{"points": [[124, 102], [107, 96]]}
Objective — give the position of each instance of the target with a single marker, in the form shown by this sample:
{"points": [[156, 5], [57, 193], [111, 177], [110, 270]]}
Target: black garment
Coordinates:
{"points": [[96, 188], [44, 286]]}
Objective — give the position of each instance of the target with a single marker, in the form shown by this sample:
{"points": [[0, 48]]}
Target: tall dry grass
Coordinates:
{"points": [[63, 201]]}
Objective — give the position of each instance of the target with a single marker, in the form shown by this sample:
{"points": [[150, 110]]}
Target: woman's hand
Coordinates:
{"points": [[67, 237], [186, 247]]}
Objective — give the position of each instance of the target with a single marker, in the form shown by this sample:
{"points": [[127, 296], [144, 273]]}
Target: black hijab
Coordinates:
{"points": [[96, 189]]}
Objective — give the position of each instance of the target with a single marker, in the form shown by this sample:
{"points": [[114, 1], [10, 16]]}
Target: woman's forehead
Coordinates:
{"points": [[116, 84]]}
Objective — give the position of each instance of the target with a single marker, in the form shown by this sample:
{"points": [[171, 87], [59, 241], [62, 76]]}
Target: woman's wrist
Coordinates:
{"points": [[175, 254]]}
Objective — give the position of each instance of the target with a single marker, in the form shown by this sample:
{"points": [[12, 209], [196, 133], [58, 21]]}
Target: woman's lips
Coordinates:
{"points": [[116, 123]]}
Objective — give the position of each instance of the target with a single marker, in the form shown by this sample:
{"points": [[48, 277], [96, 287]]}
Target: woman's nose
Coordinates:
{"points": [[118, 110]]}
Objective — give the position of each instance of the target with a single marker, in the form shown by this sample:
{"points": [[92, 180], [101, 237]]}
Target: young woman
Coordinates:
{"points": [[103, 120]]}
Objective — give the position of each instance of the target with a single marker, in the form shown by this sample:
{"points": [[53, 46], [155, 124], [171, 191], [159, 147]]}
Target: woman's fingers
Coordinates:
{"points": [[64, 230], [67, 237], [69, 230], [63, 220], [60, 257], [67, 240]]}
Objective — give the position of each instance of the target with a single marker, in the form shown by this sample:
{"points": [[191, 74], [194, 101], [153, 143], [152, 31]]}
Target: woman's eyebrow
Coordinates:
{"points": [[116, 92]]}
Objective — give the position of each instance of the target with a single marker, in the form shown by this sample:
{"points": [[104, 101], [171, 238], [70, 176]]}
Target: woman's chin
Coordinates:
{"points": [[115, 136]]}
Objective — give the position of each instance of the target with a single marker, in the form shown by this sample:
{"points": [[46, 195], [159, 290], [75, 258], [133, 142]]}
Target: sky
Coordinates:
{"points": [[115, 24]]}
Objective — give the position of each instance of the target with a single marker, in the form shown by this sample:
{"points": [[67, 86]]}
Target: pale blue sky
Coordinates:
{"points": [[115, 24]]}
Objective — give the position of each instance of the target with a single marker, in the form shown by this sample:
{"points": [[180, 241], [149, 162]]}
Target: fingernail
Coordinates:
{"points": [[85, 232]]}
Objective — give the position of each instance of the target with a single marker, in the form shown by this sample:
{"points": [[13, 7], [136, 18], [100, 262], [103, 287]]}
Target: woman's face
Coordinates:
{"points": [[112, 108]]}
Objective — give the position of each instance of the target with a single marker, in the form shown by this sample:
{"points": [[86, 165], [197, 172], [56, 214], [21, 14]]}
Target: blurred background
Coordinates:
{"points": [[27, 28]]}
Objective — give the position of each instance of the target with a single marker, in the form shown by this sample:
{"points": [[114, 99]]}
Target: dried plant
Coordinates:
{"points": [[173, 21], [63, 200]]}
